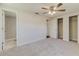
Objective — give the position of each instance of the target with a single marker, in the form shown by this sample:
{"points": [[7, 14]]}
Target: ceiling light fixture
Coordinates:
{"points": [[51, 13]]}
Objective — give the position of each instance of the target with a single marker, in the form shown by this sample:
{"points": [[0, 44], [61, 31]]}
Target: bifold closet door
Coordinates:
{"points": [[60, 28], [73, 28]]}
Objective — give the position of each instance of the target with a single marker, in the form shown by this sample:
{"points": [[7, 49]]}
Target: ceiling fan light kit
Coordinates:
{"points": [[51, 13]]}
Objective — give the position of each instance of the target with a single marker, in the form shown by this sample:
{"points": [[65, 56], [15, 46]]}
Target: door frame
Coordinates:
{"points": [[58, 27], [3, 16]]}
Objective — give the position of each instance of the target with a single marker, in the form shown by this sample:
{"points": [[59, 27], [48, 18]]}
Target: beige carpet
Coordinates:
{"points": [[47, 47]]}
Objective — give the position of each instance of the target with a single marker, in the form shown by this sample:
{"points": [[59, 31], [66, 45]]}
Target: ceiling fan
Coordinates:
{"points": [[52, 9]]}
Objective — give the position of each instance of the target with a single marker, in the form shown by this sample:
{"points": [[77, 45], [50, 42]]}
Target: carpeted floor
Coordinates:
{"points": [[46, 47]]}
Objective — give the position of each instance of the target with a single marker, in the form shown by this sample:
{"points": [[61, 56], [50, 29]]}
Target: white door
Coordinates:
{"points": [[1, 30]]}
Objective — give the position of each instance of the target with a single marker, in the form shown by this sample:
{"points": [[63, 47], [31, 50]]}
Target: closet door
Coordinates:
{"points": [[73, 28], [60, 28]]}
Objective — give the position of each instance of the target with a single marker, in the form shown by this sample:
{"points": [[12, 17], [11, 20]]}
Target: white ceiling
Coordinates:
{"points": [[36, 7]]}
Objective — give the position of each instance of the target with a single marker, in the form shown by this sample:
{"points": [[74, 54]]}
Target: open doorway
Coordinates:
{"points": [[10, 29], [60, 28], [73, 28]]}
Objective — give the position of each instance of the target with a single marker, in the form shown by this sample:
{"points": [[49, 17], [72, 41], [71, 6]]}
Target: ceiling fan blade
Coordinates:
{"points": [[37, 13], [45, 13], [60, 4], [44, 8], [61, 10]]}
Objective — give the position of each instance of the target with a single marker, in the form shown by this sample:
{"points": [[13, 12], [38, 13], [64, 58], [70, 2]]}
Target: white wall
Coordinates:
{"points": [[30, 28], [53, 26], [65, 28]]}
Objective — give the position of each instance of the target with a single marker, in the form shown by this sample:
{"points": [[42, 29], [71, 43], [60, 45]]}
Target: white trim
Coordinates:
{"points": [[3, 10]]}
